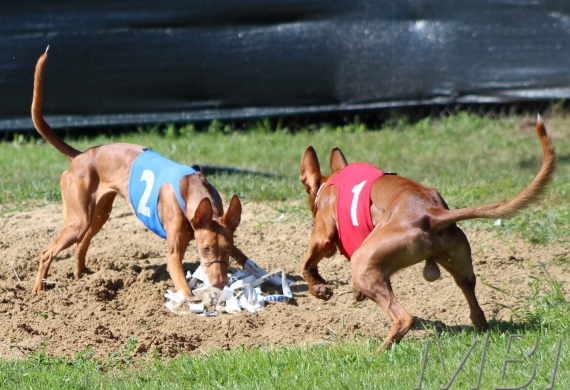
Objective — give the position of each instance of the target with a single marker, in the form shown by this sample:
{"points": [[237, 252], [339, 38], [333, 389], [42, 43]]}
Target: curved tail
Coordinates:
{"points": [[509, 208], [41, 125]]}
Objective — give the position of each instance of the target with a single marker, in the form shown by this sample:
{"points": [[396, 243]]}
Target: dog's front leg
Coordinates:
{"points": [[321, 245], [318, 287], [177, 244], [178, 234]]}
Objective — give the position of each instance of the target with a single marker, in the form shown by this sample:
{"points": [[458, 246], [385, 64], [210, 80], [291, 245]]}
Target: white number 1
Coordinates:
{"points": [[356, 191], [142, 208]]}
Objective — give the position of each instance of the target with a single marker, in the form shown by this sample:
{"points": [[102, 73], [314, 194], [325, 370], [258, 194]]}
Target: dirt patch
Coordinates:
{"points": [[122, 294]]}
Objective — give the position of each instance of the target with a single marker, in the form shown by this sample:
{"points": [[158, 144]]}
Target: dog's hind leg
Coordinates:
{"points": [[384, 252], [456, 259], [77, 220], [377, 287], [100, 217]]}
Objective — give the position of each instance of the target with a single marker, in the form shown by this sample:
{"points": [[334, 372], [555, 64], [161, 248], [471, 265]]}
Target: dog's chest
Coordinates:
{"points": [[354, 222]]}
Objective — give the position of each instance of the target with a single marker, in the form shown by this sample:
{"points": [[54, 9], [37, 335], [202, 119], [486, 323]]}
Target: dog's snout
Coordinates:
{"points": [[219, 282]]}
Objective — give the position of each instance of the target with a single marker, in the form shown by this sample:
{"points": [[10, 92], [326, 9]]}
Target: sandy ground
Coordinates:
{"points": [[122, 294]]}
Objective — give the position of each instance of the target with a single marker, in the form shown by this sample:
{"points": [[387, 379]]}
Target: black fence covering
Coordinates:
{"points": [[143, 61]]}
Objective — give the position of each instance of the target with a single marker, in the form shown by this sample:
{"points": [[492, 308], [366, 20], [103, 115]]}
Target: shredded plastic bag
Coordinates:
{"points": [[242, 292]]}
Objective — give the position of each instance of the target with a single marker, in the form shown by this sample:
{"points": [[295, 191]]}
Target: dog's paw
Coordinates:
{"points": [[480, 323], [357, 295], [386, 345], [322, 291]]}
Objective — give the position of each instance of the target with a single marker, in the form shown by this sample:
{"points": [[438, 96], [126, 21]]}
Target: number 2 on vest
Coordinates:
{"points": [[354, 206], [148, 177]]}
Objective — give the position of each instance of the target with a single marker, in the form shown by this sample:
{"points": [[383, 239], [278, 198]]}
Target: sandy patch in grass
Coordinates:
{"points": [[122, 295]]}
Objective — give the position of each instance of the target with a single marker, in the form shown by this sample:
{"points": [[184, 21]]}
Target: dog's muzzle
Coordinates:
{"points": [[209, 263]]}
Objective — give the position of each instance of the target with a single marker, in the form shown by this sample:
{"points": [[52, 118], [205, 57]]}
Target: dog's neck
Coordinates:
{"points": [[318, 193]]}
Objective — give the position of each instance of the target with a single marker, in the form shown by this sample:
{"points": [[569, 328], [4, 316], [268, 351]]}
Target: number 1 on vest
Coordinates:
{"points": [[354, 206]]}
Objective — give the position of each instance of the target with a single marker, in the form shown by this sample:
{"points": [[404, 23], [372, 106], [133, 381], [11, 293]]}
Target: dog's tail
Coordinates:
{"points": [[514, 205], [41, 125]]}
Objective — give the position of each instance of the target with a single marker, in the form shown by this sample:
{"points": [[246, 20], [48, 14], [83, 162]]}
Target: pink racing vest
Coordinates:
{"points": [[353, 219]]}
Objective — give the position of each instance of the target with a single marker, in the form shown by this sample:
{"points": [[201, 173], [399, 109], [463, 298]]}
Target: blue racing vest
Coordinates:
{"points": [[149, 172]]}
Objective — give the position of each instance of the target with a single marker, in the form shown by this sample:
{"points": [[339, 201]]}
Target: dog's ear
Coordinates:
{"points": [[203, 216], [337, 160], [310, 170], [232, 217], [311, 176]]}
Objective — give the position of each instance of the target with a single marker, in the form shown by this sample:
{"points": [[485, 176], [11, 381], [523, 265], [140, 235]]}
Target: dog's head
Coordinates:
{"points": [[215, 238], [311, 175]]}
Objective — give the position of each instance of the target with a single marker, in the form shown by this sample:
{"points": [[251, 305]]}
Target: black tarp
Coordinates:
{"points": [[132, 62]]}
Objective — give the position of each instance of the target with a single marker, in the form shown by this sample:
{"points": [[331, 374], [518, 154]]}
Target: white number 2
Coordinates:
{"points": [[142, 208], [356, 191]]}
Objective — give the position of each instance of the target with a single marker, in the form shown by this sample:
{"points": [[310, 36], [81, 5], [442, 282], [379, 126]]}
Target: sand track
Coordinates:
{"points": [[122, 294]]}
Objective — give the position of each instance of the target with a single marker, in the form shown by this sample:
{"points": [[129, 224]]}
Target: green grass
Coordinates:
{"points": [[336, 363], [471, 160], [347, 365]]}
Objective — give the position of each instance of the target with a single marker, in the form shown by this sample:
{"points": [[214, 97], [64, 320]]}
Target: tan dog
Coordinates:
{"points": [[89, 187], [411, 223]]}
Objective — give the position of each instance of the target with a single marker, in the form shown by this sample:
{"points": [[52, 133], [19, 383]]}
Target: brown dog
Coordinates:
{"points": [[410, 223], [89, 187]]}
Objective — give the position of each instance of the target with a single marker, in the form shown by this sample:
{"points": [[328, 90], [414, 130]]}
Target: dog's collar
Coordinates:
{"points": [[318, 193], [209, 263]]}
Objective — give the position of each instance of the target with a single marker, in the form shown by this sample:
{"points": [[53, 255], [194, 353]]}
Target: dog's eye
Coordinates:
{"points": [[228, 250], [206, 250]]}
